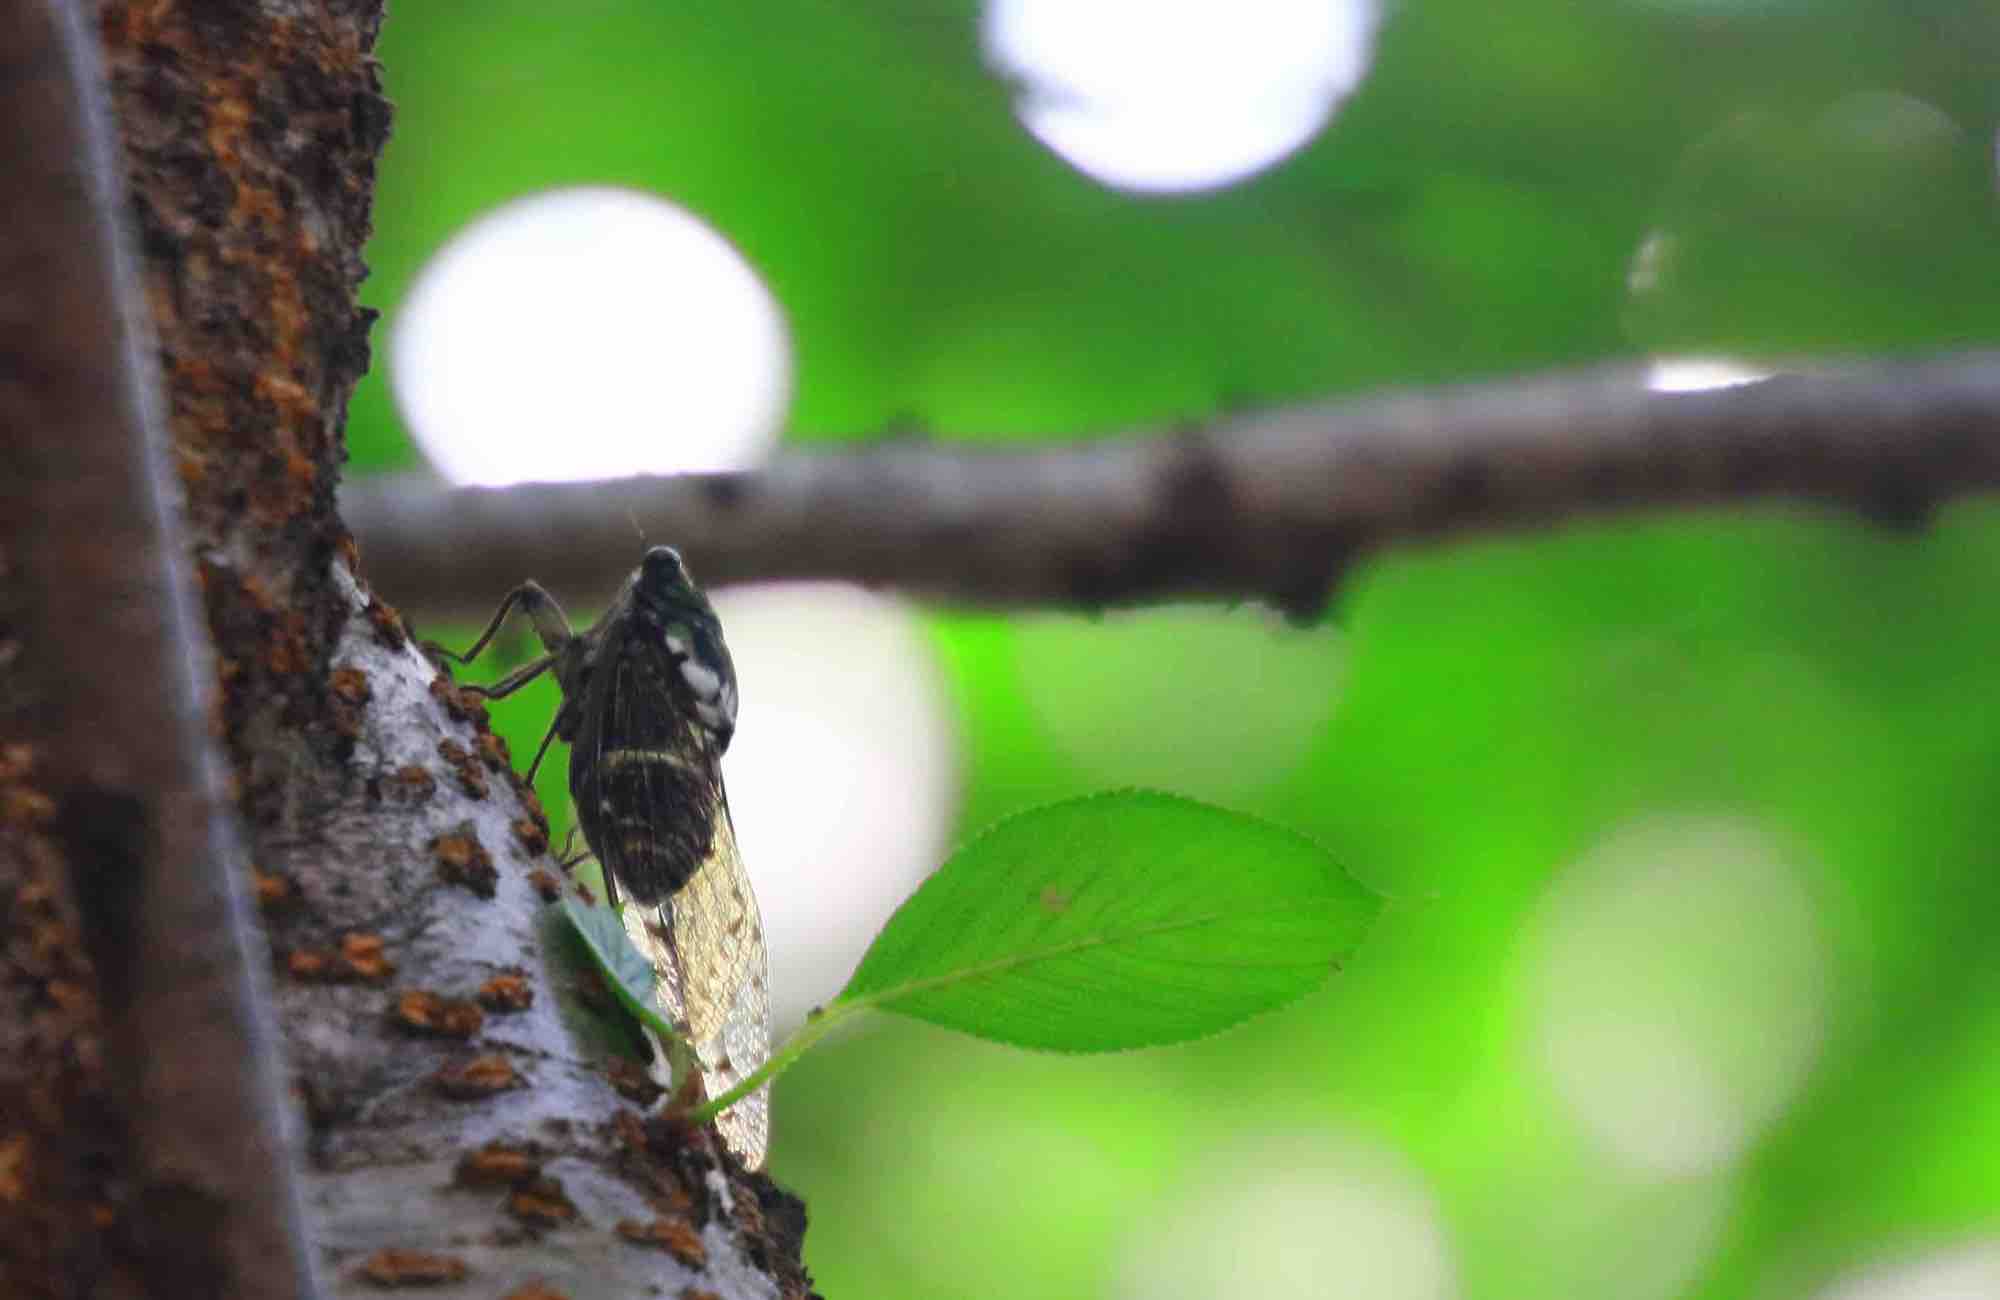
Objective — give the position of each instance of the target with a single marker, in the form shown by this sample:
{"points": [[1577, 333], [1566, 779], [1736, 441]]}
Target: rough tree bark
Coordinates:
{"points": [[140, 1121], [455, 1131]]}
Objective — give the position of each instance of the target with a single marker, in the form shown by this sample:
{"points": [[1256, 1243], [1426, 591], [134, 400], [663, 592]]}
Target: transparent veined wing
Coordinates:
{"points": [[711, 974]]}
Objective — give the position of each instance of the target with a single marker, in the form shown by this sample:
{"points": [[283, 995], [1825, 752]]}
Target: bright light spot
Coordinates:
{"points": [[589, 333], [1162, 95], [1692, 374], [843, 774], [1678, 990], [1294, 1216], [1197, 699], [1963, 1272]]}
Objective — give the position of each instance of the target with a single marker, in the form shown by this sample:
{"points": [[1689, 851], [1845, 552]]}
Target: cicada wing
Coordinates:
{"points": [[712, 975]]}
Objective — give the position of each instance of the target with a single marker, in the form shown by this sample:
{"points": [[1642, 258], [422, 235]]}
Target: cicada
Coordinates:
{"points": [[648, 707]]}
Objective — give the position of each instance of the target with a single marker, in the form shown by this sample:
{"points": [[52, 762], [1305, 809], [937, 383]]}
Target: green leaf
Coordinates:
{"points": [[599, 1025], [628, 972], [1116, 921]]}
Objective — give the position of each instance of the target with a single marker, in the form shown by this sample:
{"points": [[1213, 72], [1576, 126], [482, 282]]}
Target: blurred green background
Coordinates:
{"points": [[1687, 824]]}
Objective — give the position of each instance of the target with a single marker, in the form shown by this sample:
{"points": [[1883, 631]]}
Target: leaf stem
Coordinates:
{"points": [[817, 1026]]}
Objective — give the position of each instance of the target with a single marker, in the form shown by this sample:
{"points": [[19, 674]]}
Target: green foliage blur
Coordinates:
{"points": [[1715, 790]]}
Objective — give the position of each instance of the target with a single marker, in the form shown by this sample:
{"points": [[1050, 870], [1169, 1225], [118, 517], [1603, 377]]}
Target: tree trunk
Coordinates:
{"points": [[451, 1126]]}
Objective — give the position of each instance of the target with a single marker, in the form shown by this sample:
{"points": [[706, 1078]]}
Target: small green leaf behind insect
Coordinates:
{"points": [[625, 969]]}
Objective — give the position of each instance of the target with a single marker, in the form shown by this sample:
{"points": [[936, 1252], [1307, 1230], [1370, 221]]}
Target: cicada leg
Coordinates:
{"points": [[551, 625]]}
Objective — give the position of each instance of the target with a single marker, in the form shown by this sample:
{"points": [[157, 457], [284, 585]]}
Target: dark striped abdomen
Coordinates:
{"points": [[650, 815]]}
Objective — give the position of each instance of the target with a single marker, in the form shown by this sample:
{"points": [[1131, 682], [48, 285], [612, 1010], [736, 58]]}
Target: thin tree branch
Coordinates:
{"points": [[115, 690], [1275, 506]]}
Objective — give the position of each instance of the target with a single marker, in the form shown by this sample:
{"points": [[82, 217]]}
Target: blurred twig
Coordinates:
{"points": [[1275, 505], [111, 705]]}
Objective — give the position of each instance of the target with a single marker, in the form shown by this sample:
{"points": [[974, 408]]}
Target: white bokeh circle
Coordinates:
{"points": [[1678, 989], [589, 333], [1291, 1217], [843, 773], [1964, 1271], [1166, 95]]}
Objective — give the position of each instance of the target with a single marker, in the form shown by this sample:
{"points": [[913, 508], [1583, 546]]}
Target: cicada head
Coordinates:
{"points": [[675, 611]]}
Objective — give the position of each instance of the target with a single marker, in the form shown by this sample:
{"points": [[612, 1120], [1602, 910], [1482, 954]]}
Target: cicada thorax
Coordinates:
{"points": [[645, 775]]}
